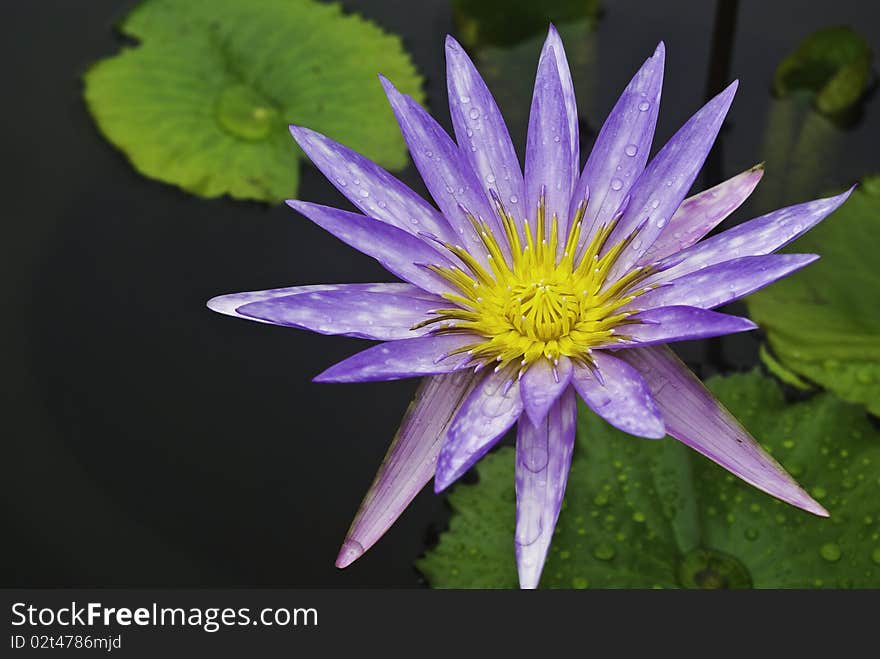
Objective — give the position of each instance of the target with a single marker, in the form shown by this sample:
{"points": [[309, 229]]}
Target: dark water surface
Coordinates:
{"points": [[151, 442]]}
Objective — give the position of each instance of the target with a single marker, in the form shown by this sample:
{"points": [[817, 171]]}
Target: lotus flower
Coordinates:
{"points": [[526, 289]]}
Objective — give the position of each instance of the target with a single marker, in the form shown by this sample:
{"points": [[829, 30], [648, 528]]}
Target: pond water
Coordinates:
{"points": [[154, 443]]}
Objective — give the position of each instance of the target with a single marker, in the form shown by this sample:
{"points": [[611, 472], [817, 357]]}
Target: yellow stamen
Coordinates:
{"points": [[533, 305]]}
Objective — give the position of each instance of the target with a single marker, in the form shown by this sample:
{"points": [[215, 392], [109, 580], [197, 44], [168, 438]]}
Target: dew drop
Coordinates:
{"points": [[341, 182], [616, 184], [661, 222], [450, 189], [604, 552], [643, 106], [381, 204], [490, 178], [655, 203], [580, 583], [513, 199], [474, 113], [631, 150], [830, 552], [429, 153], [556, 139], [465, 99], [365, 193]]}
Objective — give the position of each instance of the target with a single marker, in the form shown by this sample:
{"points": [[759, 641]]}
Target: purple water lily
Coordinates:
{"points": [[525, 291]]}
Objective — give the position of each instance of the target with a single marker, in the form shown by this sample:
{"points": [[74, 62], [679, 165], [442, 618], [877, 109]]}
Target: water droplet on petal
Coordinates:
{"points": [[631, 150], [490, 178], [474, 113], [643, 106], [365, 193], [513, 199], [616, 184], [429, 153], [556, 139], [450, 189], [465, 99], [655, 203], [661, 222]]}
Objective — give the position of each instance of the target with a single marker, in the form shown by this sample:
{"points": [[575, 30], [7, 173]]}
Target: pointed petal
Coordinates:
{"points": [[445, 170], [229, 304], [554, 43], [480, 130], [622, 396], [548, 146], [543, 458], [667, 324], [660, 189], [348, 310], [489, 411], [395, 360], [694, 417], [542, 384], [724, 282], [625, 142], [409, 463], [374, 191], [757, 237], [699, 214], [400, 253]]}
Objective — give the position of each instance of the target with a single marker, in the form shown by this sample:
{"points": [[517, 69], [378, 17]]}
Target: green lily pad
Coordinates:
{"points": [[642, 514], [823, 323], [834, 64], [204, 99]]}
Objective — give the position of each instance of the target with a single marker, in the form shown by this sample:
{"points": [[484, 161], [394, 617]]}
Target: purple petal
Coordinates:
{"points": [[667, 324], [757, 237], [480, 130], [554, 43], [542, 384], [445, 170], [699, 214], [395, 360], [369, 187], [489, 411], [659, 191], [399, 252], [724, 282], [622, 397], [349, 310], [624, 142], [409, 463], [694, 417], [229, 304], [543, 458], [548, 146]]}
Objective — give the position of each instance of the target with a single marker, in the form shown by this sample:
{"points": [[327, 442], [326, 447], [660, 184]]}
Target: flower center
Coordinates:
{"points": [[534, 302]]}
